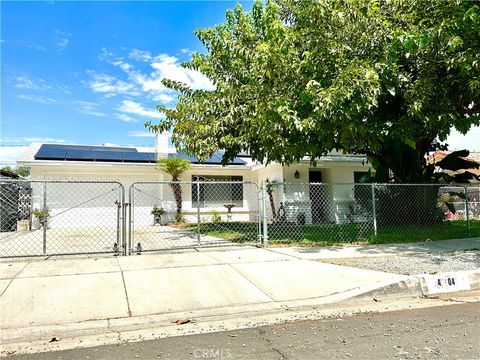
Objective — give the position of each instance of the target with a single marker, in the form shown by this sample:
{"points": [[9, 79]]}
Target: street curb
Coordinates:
{"points": [[418, 286], [465, 281]]}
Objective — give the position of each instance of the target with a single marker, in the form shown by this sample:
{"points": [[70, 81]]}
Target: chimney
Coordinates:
{"points": [[161, 143]]}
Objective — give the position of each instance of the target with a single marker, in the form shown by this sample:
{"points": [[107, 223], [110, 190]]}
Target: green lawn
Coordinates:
{"points": [[332, 234]]}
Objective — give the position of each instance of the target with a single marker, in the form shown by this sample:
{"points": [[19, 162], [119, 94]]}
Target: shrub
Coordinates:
{"points": [[216, 217], [179, 218]]}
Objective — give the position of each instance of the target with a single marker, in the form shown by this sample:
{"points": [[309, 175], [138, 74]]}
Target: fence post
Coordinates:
{"points": [[259, 213], [119, 204], [374, 210], [124, 220], [45, 222], [131, 214], [198, 211], [265, 217], [467, 212]]}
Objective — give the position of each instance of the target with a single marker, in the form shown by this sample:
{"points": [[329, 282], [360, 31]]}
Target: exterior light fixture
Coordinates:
{"points": [[297, 174]]}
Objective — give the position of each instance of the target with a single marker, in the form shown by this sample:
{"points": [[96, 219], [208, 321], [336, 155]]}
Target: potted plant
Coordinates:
{"points": [[42, 216], [157, 213]]}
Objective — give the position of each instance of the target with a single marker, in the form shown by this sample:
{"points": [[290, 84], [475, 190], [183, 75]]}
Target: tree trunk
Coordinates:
{"points": [[177, 193]]}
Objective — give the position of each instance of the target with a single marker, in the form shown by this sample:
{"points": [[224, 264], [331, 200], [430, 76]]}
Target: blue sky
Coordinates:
{"points": [[89, 72]]}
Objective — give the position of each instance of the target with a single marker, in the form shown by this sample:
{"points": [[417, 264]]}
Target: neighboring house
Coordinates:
{"points": [[439, 155], [473, 191], [130, 165]]}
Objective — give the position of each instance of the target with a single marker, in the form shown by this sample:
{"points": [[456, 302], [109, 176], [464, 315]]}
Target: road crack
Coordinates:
{"points": [[269, 342]]}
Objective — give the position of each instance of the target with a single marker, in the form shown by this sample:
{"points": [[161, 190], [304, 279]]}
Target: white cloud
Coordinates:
{"points": [[140, 134], [37, 99], [9, 154], [25, 82], [105, 54], [31, 46], [131, 107], [110, 144], [140, 55], [126, 118], [185, 51], [164, 98], [61, 40], [44, 140], [109, 85], [29, 139], [149, 83], [88, 108], [470, 141]]}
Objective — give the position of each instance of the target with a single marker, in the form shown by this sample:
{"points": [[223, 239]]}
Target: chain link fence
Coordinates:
{"points": [[329, 213], [60, 217], [69, 217], [178, 215]]}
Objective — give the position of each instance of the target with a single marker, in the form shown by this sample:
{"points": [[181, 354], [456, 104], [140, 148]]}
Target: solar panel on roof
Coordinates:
{"points": [[215, 159], [111, 148], [182, 155], [135, 157], [80, 155], [237, 161], [152, 157], [108, 156], [87, 147], [66, 147], [50, 154]]}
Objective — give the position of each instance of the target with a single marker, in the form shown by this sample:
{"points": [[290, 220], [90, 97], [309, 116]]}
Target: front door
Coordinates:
{"points": [[317, 196]]}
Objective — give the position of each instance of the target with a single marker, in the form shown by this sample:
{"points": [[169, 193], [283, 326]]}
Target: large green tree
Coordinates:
{"points": [[296, 78]]}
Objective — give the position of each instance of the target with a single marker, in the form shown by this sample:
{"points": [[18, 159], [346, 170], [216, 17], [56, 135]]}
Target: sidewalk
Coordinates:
{"points": [[383, 250], [41, 297]]}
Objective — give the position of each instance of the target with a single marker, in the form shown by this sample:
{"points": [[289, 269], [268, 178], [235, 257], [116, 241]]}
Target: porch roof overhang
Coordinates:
{"points": [[324, 160]]}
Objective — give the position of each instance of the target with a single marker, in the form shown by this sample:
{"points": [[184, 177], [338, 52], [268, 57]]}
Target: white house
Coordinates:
{"points": [[131, 165]]}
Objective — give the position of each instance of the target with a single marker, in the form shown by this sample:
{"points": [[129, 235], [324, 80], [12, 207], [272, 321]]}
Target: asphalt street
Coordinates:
{"points": [[446, 332]]}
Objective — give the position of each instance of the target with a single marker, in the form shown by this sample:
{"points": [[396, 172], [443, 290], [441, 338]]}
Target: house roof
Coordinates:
{"points": [[71, 154], [440, 155], [61, 152]]}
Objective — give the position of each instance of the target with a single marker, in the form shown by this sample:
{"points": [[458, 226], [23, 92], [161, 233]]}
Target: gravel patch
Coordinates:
{"points": [[416, 264]]}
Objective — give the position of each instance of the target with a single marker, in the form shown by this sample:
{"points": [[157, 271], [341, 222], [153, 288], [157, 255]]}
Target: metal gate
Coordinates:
{"points": [[167, 215], [39, 218]]}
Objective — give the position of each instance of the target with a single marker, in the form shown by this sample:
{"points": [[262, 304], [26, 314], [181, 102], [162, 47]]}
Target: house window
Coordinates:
{"points": [[363, 177], [363, 193], [216, 191]]}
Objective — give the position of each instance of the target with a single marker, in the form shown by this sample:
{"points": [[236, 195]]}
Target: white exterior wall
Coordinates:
{"points": [[153, 194], [295, 196], [341, 192], [74, 206]]}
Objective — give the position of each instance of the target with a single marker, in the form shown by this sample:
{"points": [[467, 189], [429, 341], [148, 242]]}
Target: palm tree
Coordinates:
{"points": [[175, 167]]}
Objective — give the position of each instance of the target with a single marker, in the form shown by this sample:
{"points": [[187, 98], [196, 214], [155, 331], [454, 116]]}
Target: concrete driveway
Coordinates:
{"points": [[65, 291], [100, 240]]}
